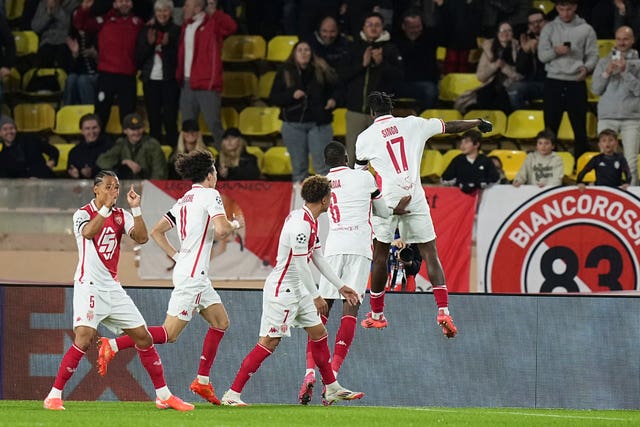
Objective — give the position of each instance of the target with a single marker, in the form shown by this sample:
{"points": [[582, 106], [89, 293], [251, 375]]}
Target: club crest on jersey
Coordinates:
{"points": [[564, 240], [90, 315], [301, 238], [118, 219], [284, 328]]}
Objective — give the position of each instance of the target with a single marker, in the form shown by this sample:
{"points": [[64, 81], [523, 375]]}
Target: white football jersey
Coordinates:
{"points": [[98, 257], [394, 146], [192, 216], [350, 229], [299, 237]]}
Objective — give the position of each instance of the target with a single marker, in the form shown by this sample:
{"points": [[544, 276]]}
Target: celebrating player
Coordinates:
{"points": [[193, 213], [347, 250], [290, 297], [394, 146], [98, 296]]}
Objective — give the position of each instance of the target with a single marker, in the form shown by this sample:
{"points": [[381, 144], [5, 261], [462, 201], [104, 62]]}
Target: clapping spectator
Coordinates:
{"points": [[22, 154], [190, 139], [234, 163], [610, 166], [82, 79], [82, 157], [543, 167]]}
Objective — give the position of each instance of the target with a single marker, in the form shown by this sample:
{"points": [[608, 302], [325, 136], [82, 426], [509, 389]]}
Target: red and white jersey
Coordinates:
{"points": [[350, 229], [299, 237], [192, 216], [394, 146], [98, 257]]}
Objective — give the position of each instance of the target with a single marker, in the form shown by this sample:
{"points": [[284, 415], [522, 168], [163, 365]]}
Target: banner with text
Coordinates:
{"points": [[532, 240], [247, 254]]}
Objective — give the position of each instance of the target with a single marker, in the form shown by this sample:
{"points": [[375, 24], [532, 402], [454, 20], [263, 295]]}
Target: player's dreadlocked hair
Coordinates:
{"points": [[380, 103], [315, 188], [335, 154], [195, 166], [100, 176]]}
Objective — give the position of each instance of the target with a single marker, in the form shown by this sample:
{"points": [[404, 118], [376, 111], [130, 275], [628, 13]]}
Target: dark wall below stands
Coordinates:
{"points": [[512, 351]]}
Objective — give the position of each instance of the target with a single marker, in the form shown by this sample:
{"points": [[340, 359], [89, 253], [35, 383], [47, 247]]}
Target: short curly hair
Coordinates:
{"points": [[315, 188], [380, 102], [195, 166]]}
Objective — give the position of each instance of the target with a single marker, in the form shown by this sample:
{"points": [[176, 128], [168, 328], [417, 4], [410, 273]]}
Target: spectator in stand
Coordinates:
{"points": [[135, 155], [568, 48], [418, 49], [305, 90], [611, 167], [328, 43], [200, 62], [374, 64], [22, 154], [530, 88], [82, 157], [470, 170], [309, 14], [117, 34], [234, 163], [52, 22], [190, 139], [7, 52], [501, 173], [459, 25], [542, 167], [82, 79], [157, 57], [617, 80]]}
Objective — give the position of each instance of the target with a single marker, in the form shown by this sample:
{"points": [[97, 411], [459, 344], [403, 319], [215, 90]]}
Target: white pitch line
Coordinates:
{"points": [[529, 414]]}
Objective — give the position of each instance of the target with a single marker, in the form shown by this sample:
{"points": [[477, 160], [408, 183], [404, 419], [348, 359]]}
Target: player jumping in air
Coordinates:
{"points": [[393, 146]]}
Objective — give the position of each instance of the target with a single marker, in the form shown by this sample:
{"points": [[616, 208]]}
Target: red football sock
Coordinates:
{"points": [[377, 302], [158, 333], [209, 350], [249, 366], [68, 366], [151, 361], [311, 364], [322, 356], [441, 294], [344, 338]]}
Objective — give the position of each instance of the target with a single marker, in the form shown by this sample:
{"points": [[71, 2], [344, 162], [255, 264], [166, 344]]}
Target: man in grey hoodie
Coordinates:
{"points": [[617, 80], [569, 51]]}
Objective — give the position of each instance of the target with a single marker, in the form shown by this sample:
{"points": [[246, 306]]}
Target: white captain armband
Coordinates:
{"points": [[105, 212], [136, 211]]}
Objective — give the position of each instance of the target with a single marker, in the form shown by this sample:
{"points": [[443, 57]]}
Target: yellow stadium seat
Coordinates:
{"points": [[453, 85], [277, 162], [229, 117], [565, 132], [431, 164], [139, 87], [239, 84], [265, 82], [167, 150], [26, 42], [257, 151], [441, 53], [568, 161], [61, 77], [582, 162], [545, 6], [34, 117], [448, 156], [497, 117], [213, 151], [243, 48], [605, 46], [113, 124], [14, 9], [591, 97], [260, 121], [339, 123], [512, 161], [11, 83], [524, 124], [63, 159], [446, 114], [279, 48], [68, 118]]}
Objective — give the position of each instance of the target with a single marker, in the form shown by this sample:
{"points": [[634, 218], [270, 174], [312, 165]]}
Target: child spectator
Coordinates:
{"points": [[498, 164], [543, 166], [611, 167]]}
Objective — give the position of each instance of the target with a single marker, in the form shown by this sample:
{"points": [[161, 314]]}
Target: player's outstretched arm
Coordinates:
{"points": [[159, 235], [325, 269], [455, 126], [139, 233]]}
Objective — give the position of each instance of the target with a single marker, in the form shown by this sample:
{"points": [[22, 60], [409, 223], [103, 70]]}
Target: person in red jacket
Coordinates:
{"points": [[200, 62], [117, 34]]}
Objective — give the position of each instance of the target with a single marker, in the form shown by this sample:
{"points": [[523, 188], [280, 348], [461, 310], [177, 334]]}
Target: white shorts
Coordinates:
{"points": [[286, 311], [113, 308], [414, 228], [190, 295], [352, 269]]}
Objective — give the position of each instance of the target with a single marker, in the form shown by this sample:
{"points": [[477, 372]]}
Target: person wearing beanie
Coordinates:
{"points": [[22, 154], [234, 163], [134, 155]]}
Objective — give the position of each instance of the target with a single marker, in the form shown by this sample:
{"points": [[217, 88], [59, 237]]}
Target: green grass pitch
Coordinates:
{"points": [[142, 414]]}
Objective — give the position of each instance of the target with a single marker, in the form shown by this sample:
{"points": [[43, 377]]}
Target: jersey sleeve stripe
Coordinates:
{"points": [[170, 219], [217, 215]]}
